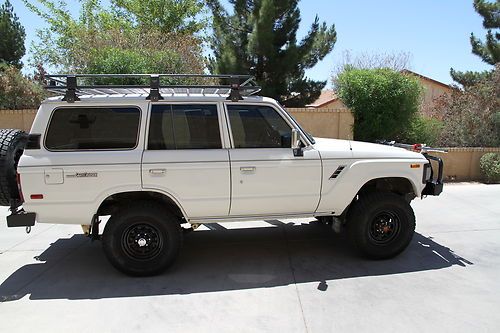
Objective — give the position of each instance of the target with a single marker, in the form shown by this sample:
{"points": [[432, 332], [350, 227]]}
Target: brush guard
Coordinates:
{"points": [[433, 186], [433, 183]]}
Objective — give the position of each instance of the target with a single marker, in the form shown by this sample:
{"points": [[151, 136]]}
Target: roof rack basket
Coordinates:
{"points": [[75, 85]]}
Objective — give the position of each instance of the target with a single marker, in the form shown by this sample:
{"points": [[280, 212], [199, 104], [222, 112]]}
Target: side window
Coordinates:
{"points": [[184, 126], [255, 126], [87, 128]]}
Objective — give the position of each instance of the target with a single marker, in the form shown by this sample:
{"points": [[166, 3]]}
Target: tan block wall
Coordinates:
{"points": [[20, 119], [325, 123], [462, 164]]}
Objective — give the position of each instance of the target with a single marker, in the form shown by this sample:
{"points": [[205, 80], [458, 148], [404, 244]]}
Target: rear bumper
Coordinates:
{"points": [[21, 219], [434, 186]]}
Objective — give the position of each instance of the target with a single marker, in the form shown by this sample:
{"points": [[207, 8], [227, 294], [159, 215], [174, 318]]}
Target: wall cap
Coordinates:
{"points": [[319, 110], [8, 111], [474, 149]]}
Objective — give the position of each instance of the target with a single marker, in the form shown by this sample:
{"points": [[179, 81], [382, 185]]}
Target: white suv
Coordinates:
{"points": [[153, 157]]}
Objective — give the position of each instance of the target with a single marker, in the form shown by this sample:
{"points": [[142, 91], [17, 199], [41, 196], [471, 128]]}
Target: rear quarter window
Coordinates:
{"points": [[93, 128]]}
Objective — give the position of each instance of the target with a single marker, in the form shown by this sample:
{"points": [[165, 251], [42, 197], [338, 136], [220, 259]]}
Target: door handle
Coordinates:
{"points": [[157, 171], [248, 169]]}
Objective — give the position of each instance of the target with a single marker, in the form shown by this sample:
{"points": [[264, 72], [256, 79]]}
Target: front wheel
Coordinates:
{"points": [[381, 224], [142, 240]]}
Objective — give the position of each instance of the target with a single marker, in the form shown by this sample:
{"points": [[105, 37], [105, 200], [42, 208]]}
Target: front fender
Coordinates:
{"points": [[337, 193]]}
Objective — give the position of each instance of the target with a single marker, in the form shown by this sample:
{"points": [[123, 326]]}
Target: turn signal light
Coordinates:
{"points": [[36, 196], [414, 166]]}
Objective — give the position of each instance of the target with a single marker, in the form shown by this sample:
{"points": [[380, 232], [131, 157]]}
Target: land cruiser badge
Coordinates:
{"points": [[83, 175]]}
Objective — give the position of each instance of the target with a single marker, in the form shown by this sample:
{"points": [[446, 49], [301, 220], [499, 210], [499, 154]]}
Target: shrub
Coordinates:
{"points": [[490, 166], [18, 91], [424, 130], [471, 116], [383, 102]]}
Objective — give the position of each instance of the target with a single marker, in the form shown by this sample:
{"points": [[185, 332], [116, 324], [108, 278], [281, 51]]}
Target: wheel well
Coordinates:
{"points": [[398, 185], [113, 202]]}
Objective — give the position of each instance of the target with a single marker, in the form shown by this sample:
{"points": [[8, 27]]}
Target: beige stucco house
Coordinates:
{"points": [[432, 90]]}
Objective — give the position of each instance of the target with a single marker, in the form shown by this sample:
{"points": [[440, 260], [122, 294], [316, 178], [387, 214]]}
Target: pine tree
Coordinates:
{"points": [[260, 38], [488, 50], [11, 36]]}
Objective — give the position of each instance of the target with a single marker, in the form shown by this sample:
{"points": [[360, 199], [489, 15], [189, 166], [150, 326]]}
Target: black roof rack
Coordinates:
{"points": [[75, 85]]}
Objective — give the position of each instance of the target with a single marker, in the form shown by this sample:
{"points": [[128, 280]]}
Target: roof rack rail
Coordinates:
{"points": [[71, 85]]}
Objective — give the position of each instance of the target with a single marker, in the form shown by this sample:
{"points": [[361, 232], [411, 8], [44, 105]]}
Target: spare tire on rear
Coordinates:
{"points": [[12, 142]]}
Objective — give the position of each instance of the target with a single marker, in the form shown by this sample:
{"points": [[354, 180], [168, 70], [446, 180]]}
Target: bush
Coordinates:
{"points": [[490, 166], [471, 116], [18, 91], [424, 130], [383, 102]]}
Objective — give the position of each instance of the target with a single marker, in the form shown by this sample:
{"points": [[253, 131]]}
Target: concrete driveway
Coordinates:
{"points": [[275, 276]]}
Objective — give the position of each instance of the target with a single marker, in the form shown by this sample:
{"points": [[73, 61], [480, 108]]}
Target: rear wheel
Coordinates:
{"points": [[381, 224], [12, 144], [143, 239]]}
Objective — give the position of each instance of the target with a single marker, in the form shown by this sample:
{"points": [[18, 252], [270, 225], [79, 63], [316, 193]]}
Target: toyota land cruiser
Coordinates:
{"points": [[155, 156]]}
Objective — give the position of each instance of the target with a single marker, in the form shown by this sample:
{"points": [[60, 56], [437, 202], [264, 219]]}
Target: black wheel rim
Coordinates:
{"points": [[384, 227], [142, 241]]}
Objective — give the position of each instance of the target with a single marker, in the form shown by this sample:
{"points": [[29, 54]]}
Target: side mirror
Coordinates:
{"points": [[296, 145]]}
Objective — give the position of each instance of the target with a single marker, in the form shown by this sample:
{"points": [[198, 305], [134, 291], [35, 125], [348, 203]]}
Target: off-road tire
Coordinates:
{"points": [[12, 142], [151, 223], [370, 234]]}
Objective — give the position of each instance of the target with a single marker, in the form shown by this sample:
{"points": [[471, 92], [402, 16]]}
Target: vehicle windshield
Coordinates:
{"points": [[309, 136]]}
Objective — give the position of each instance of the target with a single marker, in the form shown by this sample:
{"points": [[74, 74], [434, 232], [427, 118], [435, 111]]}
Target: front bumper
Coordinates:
{"points": [[21, 219], [434, 186]]}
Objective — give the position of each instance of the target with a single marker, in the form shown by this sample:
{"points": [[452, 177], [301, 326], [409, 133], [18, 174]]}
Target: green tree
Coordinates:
{"points": [[471, 117], [114, 39], [180, 16], [384, 102], [11, 36], [488, 50], [260, 38]]}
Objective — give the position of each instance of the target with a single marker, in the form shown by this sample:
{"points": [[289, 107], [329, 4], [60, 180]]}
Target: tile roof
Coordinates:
{"points": [[326, 97]]}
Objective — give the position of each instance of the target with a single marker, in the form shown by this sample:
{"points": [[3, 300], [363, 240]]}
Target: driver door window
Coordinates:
{"points": [[257, 126], [264, 171]]}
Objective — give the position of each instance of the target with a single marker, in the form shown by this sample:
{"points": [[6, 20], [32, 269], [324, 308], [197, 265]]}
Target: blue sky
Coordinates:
{"points": [[435, 32]]}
